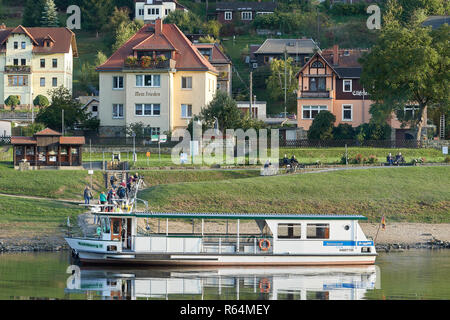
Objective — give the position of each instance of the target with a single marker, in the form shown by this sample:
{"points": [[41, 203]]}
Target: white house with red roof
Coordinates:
{"points": [[34, 61], [158, 77], [150, 10]]}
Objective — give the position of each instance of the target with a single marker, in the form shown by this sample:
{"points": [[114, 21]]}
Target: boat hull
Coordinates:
{"points": [[225, 260]]}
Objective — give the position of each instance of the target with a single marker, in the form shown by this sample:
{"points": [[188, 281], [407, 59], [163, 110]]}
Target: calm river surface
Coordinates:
{"points": [[413, 274]]}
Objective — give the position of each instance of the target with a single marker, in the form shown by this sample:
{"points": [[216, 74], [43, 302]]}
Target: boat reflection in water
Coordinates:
{"points": [[271, 283]]}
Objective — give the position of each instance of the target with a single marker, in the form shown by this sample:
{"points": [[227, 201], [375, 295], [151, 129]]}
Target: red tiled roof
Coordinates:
{"points": [[187, 56], [348, 58], [23, 140], [62, 38], [217, 55], [48, 132], [72, 140], [155, 42]]}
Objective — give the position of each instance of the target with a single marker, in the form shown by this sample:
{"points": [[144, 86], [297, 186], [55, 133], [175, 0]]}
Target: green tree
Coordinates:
{"points": [[61, 100], [322, 126], [49, 16], [119, 16], [12, 101], [41, 101], [282, 73], [224, 109], [408, 66], [32, 13], [188, 22], [125, 31], [95, 14]]}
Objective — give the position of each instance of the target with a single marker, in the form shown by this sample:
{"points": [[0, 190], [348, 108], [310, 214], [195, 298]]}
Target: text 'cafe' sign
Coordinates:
{"points": [[159, 138], [360, 92]]}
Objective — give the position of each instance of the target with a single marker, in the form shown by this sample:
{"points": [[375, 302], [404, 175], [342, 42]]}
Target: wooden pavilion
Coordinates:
{"points": [[48, 148]]}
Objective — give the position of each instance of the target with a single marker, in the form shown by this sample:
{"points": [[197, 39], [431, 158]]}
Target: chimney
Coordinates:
{"points": [[336, 54], [158, 26]]}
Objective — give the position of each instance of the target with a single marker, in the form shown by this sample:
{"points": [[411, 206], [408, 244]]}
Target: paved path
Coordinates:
{"points": [[72, 201]]}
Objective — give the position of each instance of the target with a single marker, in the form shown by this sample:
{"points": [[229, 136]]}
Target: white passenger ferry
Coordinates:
{"points": [[283, 239]]}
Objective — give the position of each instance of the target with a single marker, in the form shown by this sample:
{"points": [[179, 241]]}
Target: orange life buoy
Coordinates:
{"points": [[264, 247], [264, 285]]}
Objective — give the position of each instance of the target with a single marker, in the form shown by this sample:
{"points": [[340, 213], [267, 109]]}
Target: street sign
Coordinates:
{"points": [[163, 138], [155, 137], [444, 150], [90, 171]]}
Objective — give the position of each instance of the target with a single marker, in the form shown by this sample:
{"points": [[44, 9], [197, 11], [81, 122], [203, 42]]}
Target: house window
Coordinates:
{"points": [[152, 131], [317, 64], [318, 231], [148, 80], [55, 63], [310, 112], [147, 109], [94, 108], [117, 111], [410, 112], [186, 82], [186, 110], [167, 11], [246, 15], [317, 84], [117, 82], [23, 45], [23, 62], [228, 15], [42, 81], [42, 63], [16, 45], [141, 12], [289, 231], [347, 112], [149, 11], [16, 62], [17, 81], [54, 82], [347, 86]]}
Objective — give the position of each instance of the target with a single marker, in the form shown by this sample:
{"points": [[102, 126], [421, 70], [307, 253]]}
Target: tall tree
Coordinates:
{"points": [[125, 31], [49, 16], [408, 65], [32, 13], [95, 14]]}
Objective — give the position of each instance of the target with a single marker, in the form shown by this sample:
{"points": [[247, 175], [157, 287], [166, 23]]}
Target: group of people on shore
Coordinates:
{"points": [[119, 191]]}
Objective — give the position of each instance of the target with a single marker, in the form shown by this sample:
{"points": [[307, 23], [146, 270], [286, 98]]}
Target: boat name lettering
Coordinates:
{"points": [[348, 243], [87, 244]]}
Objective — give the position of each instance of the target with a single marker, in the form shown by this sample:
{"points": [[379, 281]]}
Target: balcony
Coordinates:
{"points": [[315, 94], [17, 69], [132, 63]]}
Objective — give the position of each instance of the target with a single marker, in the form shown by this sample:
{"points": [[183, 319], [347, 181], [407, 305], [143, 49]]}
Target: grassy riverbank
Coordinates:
{"points": [[413, 194]]}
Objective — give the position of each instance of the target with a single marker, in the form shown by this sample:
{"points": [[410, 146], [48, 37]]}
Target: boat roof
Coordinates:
{"points": [[217, 215]]}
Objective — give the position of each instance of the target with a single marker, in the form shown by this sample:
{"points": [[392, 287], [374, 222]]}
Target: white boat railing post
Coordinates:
{"points": [[237, 242], [220, 245], [254, 245]]}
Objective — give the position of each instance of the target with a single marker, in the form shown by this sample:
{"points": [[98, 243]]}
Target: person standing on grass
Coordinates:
{"points": [[87, 195]]}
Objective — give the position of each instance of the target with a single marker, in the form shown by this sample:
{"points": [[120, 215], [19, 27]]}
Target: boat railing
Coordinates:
{"points": [[207, 243]]}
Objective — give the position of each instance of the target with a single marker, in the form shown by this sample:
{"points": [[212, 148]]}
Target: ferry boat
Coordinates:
{"points": [[283, 239]]}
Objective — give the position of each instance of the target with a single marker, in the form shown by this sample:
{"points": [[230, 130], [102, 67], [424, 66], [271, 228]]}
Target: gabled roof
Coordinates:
{"points": [[217, 55], [48, 132], [292, 46], [63, 38], [155, 42], [187, 56], [241, 6]]}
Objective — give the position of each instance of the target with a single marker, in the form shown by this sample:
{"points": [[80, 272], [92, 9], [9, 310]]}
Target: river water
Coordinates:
{"points": [[412, 274]]}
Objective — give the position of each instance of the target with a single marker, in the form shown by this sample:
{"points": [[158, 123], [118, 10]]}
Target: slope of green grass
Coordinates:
{"points": [[403, 194]]}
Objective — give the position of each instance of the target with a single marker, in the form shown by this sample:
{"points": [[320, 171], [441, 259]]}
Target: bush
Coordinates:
{"points": [[145, 61], [322, 126], [347, 9], [372, 159], [343, 131], [447, 159]]}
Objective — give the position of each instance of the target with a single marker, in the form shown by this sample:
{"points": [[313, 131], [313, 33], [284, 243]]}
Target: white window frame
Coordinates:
{"points": [[116, 83], [54, 82], [42, 81], [351, 112], [185, 108], [228, 15], [411, 108], [187, 83], [117, 106], [343, 85], [147, 106], [153, 76], [312, 108], [141, 12], [247, 15]]}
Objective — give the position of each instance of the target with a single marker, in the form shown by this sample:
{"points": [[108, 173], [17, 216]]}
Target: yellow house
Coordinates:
{"points": [[34, 61], [158, 78]]}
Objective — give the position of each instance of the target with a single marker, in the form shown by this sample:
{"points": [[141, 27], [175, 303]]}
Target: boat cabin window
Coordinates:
{"points": [[116, 227], [105, 225], [289, 231], [318, 231]]}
